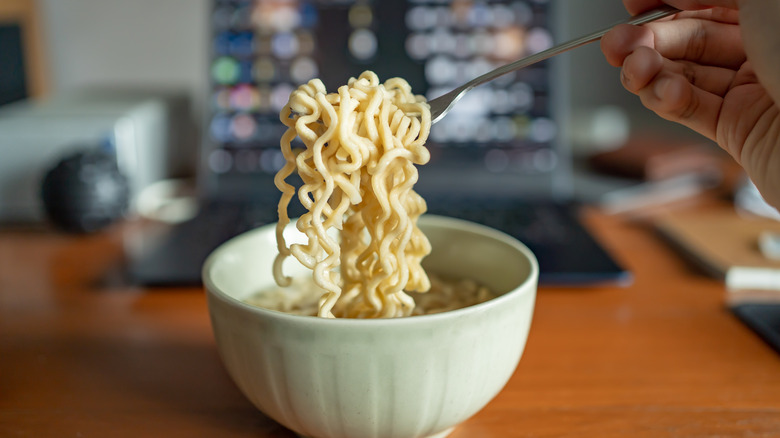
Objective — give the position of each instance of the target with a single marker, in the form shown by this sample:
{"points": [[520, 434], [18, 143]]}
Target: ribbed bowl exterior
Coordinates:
{"points": [[391, 378]]}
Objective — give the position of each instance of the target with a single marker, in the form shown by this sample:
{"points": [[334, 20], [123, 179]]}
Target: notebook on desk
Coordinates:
{"points": [[498, 158]]}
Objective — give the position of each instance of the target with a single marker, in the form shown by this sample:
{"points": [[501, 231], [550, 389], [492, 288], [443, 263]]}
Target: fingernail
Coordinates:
{"points": [[625, 79], [660, 86]]}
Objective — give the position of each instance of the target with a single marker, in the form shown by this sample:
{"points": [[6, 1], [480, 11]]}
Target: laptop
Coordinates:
{"points": [[498, 158]]}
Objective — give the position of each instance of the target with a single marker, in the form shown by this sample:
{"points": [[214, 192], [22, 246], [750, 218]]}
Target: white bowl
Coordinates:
{"points": [[407, 377]]}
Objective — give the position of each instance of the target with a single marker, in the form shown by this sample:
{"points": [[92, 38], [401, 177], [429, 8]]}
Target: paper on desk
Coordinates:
{"points": [[725, 245]]}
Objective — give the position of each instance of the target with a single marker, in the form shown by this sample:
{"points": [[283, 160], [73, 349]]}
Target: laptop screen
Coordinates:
{"points": [[503, 134]]}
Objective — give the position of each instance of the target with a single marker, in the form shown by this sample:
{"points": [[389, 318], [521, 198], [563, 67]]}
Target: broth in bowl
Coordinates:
{"points": [[303, 296]]}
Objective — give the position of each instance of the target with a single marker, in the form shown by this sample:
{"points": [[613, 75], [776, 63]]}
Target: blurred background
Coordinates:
{"points": [[162, 43], [139, 70]]}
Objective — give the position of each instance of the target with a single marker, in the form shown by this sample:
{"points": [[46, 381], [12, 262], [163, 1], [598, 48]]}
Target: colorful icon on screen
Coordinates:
{"points": [[225, 70]]}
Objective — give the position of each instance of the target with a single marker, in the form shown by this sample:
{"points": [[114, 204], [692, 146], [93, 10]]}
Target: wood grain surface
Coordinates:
{"points": [[83, 353]]}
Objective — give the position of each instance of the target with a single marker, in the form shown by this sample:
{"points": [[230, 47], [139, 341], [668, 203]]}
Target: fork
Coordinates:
{"points": [[441, 105]]}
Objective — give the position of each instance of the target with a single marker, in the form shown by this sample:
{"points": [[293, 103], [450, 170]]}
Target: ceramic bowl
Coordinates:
{"points": [[410, 377]]}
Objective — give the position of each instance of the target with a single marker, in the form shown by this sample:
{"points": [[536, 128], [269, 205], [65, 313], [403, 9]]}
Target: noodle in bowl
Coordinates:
{"points": [[404, 377]]}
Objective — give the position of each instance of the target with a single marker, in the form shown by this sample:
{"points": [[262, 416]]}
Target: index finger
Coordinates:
{"points": [[636, 6]]}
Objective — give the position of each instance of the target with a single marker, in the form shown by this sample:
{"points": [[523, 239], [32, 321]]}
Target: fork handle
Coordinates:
{"points": [[646, 17]]}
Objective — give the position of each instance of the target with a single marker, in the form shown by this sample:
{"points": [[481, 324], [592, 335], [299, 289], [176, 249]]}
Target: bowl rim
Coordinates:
{"points": [[212, 290]]}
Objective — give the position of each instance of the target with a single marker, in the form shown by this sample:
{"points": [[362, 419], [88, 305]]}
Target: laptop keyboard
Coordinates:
{"points": [[567, 252], [533, 223], [537, 222]]}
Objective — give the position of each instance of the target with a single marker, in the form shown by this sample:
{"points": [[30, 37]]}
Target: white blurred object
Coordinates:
{"points": [[169, 200], [599, 129], [743, 278], [748, 200], [769, 243]]}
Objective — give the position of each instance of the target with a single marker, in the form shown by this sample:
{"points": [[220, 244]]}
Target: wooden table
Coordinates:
{"points": [[85, 354]]}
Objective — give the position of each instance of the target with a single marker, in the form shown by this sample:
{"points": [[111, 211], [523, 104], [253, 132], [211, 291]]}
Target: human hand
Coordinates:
{"points": [[714, 68]]}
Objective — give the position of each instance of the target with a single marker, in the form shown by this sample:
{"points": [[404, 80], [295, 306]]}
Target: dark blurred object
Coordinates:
{"points": [[13, 83], [653, 159], [762, 318], [23, 72], [85, 192]]}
